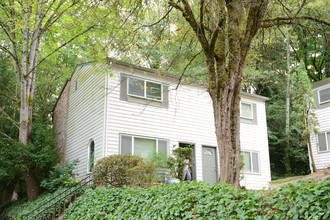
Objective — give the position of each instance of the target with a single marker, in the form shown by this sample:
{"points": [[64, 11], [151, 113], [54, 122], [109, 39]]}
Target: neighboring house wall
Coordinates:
{"points": [[101, 109], [60, 117], [86, 115], [322, 156]]}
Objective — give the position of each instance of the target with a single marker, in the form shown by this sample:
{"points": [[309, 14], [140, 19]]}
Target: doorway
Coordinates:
{"points": [[193, 163]]}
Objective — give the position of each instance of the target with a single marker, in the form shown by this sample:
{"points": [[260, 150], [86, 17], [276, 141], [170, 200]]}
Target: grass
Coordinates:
{"points": [[286, 180]]}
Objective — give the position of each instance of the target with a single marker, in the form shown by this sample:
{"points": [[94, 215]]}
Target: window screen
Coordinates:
{"points": [[144, 147], [255, 162], [247, 162], [136, 87], [325, 95], [126, 144], [154, 90], [322, 142], [162, 146], [246, 110]]}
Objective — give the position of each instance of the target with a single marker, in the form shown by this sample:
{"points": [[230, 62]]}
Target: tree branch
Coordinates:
{"points": [[184, 70], [54, 51], [8, 118], [281, 20]]}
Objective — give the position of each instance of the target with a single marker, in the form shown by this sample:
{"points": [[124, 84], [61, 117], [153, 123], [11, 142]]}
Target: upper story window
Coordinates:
{"points": [[324, 141], [251, 162], [246, 110], [324, 95], [144, 89]]}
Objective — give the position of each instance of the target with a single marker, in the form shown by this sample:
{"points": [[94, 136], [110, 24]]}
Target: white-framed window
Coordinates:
{"points": [[324, 95], [142, 146], [144, 88], [246, 110], [91, 156], [251, 162], [323, 141]]}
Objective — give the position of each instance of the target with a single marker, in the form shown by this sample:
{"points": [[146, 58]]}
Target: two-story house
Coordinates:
{"points": [[126, 109], [320, 143]]}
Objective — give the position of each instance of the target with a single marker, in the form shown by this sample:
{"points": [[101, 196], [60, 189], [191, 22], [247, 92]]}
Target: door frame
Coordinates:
{"points": [[216, 161], [194, 174]]}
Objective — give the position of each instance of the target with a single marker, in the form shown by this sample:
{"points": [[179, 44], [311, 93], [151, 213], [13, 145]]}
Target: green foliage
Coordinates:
{"points": [[20, 208], [181, 154], [160, 159], [119, 170], [144, 172], [13, 156], [60, 176], [303, 200]]}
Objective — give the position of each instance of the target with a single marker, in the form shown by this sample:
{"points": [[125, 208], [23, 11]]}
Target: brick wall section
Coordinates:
{"points": [[60, 116]]}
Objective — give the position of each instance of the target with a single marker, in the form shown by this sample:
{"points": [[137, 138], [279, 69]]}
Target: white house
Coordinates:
{"points": [[321, 142], [127, 109]]}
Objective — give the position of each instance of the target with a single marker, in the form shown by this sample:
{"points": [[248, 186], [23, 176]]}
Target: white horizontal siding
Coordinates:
{"points": [[86, 116], [189, 118], [321, 159]]}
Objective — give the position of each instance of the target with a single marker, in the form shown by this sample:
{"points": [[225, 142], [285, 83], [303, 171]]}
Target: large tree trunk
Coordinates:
{"points": [[227, 126]]}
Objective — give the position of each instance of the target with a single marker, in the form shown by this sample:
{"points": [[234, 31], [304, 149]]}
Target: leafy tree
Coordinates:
{"points": [[303, 109], [34, 29]]}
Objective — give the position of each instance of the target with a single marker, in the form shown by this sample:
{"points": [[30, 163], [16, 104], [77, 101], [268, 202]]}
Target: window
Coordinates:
{"points": [[143, 147], [324, 141], [251, 162], [144, 89], [246, 110], [91, 155], [324, 95], [76, 85]]}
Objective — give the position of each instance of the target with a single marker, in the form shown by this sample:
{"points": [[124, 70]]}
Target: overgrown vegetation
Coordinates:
{"points": [[22, 207], [120, 170], [60, 176], [307, 199]]}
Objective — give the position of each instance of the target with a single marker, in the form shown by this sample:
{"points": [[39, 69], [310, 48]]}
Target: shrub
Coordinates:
{"points": [[113, 169], [59, 176], [144, 172]]}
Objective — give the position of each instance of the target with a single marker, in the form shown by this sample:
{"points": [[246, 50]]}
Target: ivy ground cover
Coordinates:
{"points": [[307, 199]]}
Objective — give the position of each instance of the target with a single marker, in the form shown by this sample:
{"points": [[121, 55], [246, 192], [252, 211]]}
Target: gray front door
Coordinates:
{"points": [[209, 165]]}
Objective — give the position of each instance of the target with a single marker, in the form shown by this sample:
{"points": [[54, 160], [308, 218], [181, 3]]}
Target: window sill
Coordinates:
{"points": [[322, 152], [248, 173]]}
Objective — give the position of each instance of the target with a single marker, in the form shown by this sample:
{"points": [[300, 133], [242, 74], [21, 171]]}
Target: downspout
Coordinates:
{"points": [[105, 114]]}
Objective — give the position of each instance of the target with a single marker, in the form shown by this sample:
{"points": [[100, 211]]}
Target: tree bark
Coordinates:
{"points": [[313, 170], [287, 112]]}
